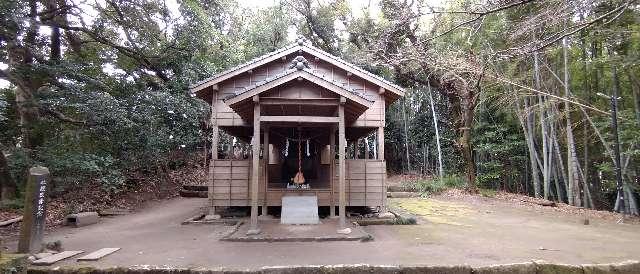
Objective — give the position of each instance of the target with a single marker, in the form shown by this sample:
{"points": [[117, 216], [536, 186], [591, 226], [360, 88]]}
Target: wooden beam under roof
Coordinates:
{"points": [[299, 101], [299, 119]]}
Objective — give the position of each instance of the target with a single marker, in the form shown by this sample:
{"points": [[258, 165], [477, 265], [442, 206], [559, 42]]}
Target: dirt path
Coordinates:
{"points": [[451, 232]]}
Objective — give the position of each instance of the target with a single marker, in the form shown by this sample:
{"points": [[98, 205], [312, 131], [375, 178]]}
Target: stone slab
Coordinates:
{"points": [[299, 210], [274, 231], [57, 257], [98, 254]]}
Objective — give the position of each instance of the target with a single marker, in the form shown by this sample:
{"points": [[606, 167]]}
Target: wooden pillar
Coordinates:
{"points": [[215, 134], [356, 149], [265, 159], [255, 167], [380, 143], [332, 170], [341, 165], [384, 175], [214, 151]]}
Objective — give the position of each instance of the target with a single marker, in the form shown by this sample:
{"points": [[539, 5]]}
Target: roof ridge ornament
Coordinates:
{"points": [[299, 63], [301, 40]]}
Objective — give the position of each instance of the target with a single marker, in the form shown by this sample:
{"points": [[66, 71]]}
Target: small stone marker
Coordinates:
{"points": [[98, 254], [81, 219], [56, 257], [35, 211], [299, 210]]}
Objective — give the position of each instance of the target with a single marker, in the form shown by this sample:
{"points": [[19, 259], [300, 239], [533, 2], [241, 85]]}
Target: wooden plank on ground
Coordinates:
{"points": [[98, 254], [11, 221], [56, 257]]}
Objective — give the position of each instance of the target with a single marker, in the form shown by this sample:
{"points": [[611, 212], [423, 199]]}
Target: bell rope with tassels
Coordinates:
{"points": [[299, 178]]}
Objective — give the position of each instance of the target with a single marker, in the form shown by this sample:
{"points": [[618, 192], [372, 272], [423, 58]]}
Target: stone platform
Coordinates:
{"points": [[273, 231]]}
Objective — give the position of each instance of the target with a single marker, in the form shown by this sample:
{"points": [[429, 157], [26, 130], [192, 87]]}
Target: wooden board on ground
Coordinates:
{"points": [[56, 257], [98, 254], [11, 221]]}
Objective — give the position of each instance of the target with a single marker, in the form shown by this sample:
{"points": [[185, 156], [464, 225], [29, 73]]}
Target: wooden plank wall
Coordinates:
{"points": [[365, 182], [232, 181], [373, 117], [364, 179]]}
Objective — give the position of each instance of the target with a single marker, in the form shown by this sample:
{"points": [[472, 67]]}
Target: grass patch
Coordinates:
{"points": [[428, 187], [489, 193]]}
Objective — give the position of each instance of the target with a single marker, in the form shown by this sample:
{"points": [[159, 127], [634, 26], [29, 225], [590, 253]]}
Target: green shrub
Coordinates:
{"points": [[489, 193], [436, 185], [17, 203]]}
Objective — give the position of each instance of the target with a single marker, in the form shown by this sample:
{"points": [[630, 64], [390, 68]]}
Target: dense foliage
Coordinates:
{"points": [[99, 91]]}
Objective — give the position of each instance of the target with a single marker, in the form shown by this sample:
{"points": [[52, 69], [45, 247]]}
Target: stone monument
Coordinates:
{"points": [[35, 211]]}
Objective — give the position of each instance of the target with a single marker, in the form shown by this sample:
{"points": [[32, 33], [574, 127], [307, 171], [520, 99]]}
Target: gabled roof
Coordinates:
{"points": [[303, 47], [292, 74]]}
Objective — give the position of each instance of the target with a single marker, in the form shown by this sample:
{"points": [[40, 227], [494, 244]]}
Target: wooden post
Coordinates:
{"points": [[384, 175], [265, 159], [380, 143], [255, 168], [214, 153], [332, 170], [35, 211], [341, 165]]}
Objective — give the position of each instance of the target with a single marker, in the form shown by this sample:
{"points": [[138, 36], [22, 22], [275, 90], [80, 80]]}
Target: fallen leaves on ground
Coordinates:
{"points": [[524, 201]]}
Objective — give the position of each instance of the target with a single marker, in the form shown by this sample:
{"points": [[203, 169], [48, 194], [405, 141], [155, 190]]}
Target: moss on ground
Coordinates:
{"points": [[12, 263], [434, 211]]}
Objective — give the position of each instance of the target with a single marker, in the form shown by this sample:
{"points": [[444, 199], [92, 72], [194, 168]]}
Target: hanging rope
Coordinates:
{"points": [[299, 178]]}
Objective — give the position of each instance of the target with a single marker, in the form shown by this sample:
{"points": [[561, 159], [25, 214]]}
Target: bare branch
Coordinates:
{"points": [[61, 116], [479, 15]]}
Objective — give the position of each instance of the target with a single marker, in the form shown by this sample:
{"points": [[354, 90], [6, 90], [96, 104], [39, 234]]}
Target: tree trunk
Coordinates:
{"points": [[406, 133], [560, 164], [588, 202], [467, 150], [543, 128], [530, 119], [7, 184], [635, 88], [573, 183], [26, 83], [435, 125]]}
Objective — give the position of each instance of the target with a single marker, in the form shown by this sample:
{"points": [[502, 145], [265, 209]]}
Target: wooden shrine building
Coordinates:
{"points": [[295, 105]]}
